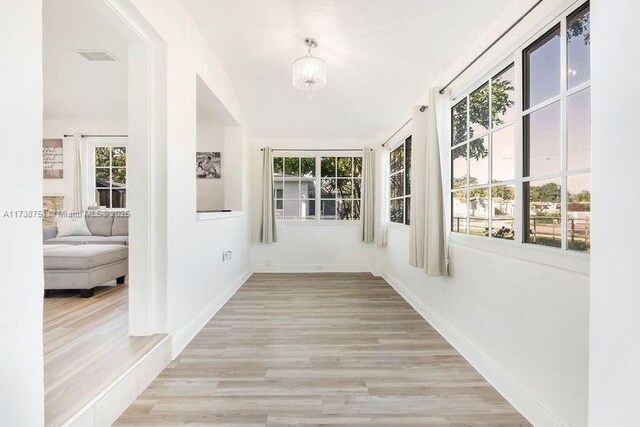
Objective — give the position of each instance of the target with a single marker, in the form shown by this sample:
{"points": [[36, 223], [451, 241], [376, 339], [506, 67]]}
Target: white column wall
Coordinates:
{"points": [[198, 281], [21, 277], [615, 287]]}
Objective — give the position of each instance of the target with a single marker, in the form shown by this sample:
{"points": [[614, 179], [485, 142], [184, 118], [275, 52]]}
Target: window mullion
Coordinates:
{"points": [[490, 154], [564, 132], [519, 148], [318, 196]]}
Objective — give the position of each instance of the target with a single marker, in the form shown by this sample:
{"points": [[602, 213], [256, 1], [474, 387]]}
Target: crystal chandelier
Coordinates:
{"points": [[309, 72]]}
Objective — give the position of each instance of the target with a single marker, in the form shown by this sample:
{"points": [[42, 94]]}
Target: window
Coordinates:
{"points": [[317, 187], [400, 183], [523, 145], [556, 163], [110, 173], [482, 159], [341, 186]]}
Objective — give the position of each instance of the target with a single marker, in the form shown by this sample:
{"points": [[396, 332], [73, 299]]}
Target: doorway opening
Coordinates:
{"points": [[103, 226]]}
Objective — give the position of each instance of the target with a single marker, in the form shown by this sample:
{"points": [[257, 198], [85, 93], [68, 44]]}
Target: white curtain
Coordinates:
{"points": [[78, 184], [367, 212], [268, 224], [418, 178], [427, 232], [381, 202]]}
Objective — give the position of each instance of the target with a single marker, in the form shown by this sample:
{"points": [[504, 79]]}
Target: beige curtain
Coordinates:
{"points": [[381, 202], [427, 232], [78, 184], [268, 224], [418, 178], [367, 210]]}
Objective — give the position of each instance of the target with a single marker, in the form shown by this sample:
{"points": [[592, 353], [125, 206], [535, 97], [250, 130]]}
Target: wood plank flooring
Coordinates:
{"points": [[319, 349], [86, 347]]}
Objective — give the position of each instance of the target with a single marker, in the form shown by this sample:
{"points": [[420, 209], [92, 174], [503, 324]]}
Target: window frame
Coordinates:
{"points": [[402, 141], [517, 248], [487, 79], [318, 155], [90, 187]]}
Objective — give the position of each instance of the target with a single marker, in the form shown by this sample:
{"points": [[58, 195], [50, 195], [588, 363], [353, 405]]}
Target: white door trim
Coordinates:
{"points": [[146, 158]]}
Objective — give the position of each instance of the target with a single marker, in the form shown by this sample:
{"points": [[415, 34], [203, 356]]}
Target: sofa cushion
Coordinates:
{"points": [[82, 257], [111, 240], [93, 240], [73, 240], [49, 232], [120, 226], [99, 223], [72, 226]]}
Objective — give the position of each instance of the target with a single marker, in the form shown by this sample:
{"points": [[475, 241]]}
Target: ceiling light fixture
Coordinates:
{"points": [[309, 72]]}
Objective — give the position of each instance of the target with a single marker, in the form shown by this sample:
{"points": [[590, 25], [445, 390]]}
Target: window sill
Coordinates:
{"points": [[314, 223], [210, 216], [558, 258], [400, 227]]}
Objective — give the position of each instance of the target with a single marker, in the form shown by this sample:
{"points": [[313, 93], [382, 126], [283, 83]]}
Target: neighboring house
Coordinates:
{"points": [[118, 193], [292, 197]]}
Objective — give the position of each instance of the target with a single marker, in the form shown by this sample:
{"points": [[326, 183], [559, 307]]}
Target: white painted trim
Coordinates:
{"points": [[575, 262], [183, 337], [527, 405], [209, 216], [312, 268], [319, 223], [399, 227], [89, 406], [146, 179]]}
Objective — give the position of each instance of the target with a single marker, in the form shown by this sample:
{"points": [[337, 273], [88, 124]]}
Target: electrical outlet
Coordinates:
{"points": [[226, 256], [267, 262]]}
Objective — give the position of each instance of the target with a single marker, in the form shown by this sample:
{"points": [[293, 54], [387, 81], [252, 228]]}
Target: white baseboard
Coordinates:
{"points": [[312, 268], [526, 404], [180, 339]]}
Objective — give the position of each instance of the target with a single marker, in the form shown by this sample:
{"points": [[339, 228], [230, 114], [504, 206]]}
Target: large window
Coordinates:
{"points": [[482, 159], [522, 145], [400, 183], [556, 136], [317, 187], [110, 173]]}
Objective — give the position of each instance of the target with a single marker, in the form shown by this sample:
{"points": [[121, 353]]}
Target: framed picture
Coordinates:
{"points": [[52, 165], [208, 165]]}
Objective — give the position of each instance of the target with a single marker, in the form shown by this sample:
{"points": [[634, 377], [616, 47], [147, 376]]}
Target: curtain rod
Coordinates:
{"points": [[422, 108], [98, 136], [316, 149], [504, 33]]}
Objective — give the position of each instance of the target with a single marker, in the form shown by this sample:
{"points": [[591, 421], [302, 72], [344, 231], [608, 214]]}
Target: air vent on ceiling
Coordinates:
{"points": [[97, 55]]}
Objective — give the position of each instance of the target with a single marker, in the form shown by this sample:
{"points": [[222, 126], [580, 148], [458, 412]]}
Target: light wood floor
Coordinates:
{"points": [[319, 349], [86, 347]]}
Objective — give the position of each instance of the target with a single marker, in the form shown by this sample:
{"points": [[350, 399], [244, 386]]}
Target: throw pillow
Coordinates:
{"points": [[72, 227]]}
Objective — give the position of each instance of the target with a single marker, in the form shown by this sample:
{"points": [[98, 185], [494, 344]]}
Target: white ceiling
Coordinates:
{"points": [[382, 55], [75, 88]]}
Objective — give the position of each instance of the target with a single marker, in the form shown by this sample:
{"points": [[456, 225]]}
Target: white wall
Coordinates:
{"points": [[615, 290], [198, 283], [57, 128], [21, 278], [308, 246], [522, 323], [210, 192]]}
